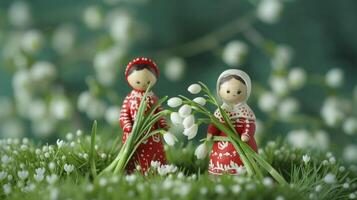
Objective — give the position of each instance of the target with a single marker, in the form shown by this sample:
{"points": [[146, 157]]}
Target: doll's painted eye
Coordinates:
{"points": [[228, 91], [137, 82], [239, 92]]}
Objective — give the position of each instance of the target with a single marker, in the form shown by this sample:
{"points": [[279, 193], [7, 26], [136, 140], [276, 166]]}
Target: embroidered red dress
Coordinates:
{"points": [[151, 149], [224, 159]]}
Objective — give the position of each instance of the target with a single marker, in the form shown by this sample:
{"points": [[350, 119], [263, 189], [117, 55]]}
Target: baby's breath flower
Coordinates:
{"points": [[63, 38], [236, 188], [288, 107], [3, 175], [130, 178], [220, 189], [5, 159], [201, 151], [7, 188], [174, 102], [51, 165], [112, 115], [282, 57], [79, 133], [318, 188], [279, 85], [330, 178], [194, 88], [32, 41], [268, 182], [102, 182], [350, 152], [299, 138], [69, 136]]}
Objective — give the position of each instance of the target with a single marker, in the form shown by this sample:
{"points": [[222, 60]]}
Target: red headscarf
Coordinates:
{"points": [[142, 61]]}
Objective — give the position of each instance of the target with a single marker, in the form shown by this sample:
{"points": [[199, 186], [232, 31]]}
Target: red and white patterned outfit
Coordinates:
{"points": [[151, 149]]}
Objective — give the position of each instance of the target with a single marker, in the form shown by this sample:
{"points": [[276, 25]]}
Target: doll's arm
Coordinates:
{"points": [[248, 130], [125, 118]]}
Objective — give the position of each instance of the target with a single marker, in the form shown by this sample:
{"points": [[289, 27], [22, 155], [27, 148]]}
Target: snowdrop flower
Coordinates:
{"points": [[175, 68], [306, 158], [269, 11], [169, 138], [334, 78], [19, 13], [194, 88], [191, 132], [175, 118], [32, 41], [188, 121], [185, 111], [23, 174], [68, 168], [350, 152], [330, 178], [63, 38], [331, 111], [288, 107], [282, 57], [200, 100], [93, 17], [51, 179], [60, 143], [279, 85], [174, 102], [299, 138], [267, 102], [201, 151], [297, 78], [234, 52], [112, 115], [350, 126], [43, 71]]}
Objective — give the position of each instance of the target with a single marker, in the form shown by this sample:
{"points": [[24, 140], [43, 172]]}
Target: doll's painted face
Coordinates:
{"points": [[140, 77], [232, 89]]}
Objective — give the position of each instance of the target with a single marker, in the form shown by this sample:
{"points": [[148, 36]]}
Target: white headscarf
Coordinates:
{"points": [[242, 105]]}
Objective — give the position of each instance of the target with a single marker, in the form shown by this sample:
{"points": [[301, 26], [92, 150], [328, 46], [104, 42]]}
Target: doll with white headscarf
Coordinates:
{"points": [[233, 88]]}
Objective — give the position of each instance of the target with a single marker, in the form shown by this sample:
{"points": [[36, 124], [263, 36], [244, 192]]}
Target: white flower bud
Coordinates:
{"points": [[297, 78], [269, 11], [334, 78], [191, 132], [201, 151], [185, 111], [174, 102], [200, 100], [188, 121], [175, 68], [234, 52], [175, 118], [169, 138], [194, 88]]}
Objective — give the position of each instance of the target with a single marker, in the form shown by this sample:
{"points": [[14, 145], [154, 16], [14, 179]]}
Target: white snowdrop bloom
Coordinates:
{"points": [[112, 115], [121, 27], [185, 111], [3, 175], [306, 158], [5, 159], [60, 143], [201, 151], [282, 57], [268, 182], [93, 17], [194, 88], [175, 118], [64, 38], [269, 11], [60, 107], [279, 85], [68, 168], [200, 100], [350, 152], [188, 121], [297, 78], [331, 111], [19, 13], [234, 52], [299, 138], [288, 107], [169, 138], [330, 178], [334, 78], [43, 71], [7, 188], [175, 68], [191, 132], [32, 41], [51, 179], [155, 164], [350, 126], [23, 174], [267, 102], [84, 100], [174, 102]]}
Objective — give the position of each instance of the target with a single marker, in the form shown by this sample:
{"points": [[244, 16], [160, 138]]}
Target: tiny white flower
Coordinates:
{"points": [[38, 177], [175, 68], [306, 158], [191, 132], [201, 151], [32, 41], [23, 174], [236, 188], [68, 168], [194, 88], [331, 111], [169, 138], [51, 179], [3, 175], [299, 138], [51, 165], [350, 152], [279, 85], [220, 189], [79, 133], [60, 107], [297, 78], [93, 17], [112, 115], [200, 100], [267, 102], [268, 182], [40, 170], [234, 52], [60, 143], [175, 118], [185, 111], [174, 102], [269, 11], [130, 178], [19, 13], [330, 178], [279, 198], [288, 107], [334, 78], [69, 136], [188, 121], [7, 188], [318, 188], [282, 57], [5, 159], [241, 170], [155, 164], [63, 38], [350, 126]]}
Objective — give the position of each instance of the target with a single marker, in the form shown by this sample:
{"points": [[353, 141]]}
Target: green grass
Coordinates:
{"points": [[190, 181]]}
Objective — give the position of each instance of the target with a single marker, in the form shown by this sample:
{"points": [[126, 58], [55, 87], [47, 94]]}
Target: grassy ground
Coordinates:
{"points": [[62, 171]]}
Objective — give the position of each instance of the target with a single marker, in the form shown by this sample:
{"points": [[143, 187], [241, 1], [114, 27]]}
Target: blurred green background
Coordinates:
{"points": [[88, 44]]}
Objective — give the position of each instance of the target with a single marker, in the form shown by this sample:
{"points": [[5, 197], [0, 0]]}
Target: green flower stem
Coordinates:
{"points": [[92, 150]]}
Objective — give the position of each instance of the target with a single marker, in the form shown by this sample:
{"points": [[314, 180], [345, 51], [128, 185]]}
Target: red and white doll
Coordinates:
{"points": [[140, 73], [233, 88]]}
